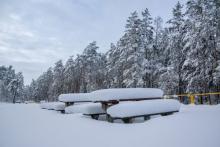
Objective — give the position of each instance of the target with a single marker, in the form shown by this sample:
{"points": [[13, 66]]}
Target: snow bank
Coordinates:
{"points": [[53, 106], [193, 126], [143, 107], [74, 97], [125, 93], [89, 108]]}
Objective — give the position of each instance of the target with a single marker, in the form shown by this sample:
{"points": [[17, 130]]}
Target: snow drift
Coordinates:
{"points": [[193, 126]]}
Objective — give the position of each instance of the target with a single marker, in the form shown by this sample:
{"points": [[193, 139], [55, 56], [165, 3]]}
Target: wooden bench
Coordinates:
{"points": [[57, 106], [107, 104], [71, 98], [95, 116], [127, 111], [89, 109], [70, 103], [129, 119]]}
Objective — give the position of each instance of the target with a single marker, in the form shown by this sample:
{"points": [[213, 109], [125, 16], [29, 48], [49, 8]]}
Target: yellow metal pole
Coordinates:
{"points": [[191, 96], [192, 99]]}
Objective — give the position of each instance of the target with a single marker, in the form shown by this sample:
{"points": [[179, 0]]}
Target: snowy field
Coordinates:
{"points": [[26, 125]]}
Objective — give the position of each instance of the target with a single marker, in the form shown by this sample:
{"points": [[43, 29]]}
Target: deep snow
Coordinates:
{"points": [[26, 125]]}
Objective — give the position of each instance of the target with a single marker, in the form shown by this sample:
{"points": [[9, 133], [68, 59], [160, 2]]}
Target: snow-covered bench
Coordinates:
{"points": [[109, 97], [90, 109], [128, 111], [58, 106], [71, 98]]}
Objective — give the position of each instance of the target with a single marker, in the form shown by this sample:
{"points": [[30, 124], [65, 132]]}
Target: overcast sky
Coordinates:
{"points": [[34, 34]]}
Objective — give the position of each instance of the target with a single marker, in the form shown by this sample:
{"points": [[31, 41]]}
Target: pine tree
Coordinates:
{"points": [[69, 72], [176, 45], [15, 87], [33, 91], [203, 54], [168, 81], [89, 67], [183, 57], [58, 81], [3, 71], [133, 52]]}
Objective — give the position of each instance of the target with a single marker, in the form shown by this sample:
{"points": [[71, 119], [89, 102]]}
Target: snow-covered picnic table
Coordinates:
{"points": [[126, 94], [71, 98], [112, 96], [117, 103], [109, 97], [90, 109], [58, 106]]}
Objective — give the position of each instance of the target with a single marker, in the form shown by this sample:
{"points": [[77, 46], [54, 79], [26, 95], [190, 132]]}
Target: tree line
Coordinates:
{"points": [[183, 57]]}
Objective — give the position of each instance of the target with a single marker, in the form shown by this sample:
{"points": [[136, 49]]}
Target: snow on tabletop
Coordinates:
{"points": [[89, 108], [74, 97], [143, 107], [52, 105], [125, 93]]}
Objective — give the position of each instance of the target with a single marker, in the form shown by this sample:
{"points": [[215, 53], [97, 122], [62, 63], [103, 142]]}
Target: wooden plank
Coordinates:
{"points": [[109, 118], [163, 113], [75, 101], [94, 114], [133, 99], [69, 104]]}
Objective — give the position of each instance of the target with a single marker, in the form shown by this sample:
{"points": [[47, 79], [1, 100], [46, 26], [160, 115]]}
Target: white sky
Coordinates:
{"points": [[34, 34]]}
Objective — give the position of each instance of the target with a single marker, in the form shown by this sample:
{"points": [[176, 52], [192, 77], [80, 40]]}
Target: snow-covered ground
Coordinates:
{"points": [[26, 125]]}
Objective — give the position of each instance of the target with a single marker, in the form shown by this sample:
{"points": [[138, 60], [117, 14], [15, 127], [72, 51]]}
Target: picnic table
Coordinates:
{"points": [[71, 98], [110, 97]]}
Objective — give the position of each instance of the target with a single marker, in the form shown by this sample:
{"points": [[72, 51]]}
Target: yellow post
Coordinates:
{"points": [[192, 99]]}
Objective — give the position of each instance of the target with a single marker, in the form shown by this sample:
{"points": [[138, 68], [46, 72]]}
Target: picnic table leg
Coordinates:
{"points": [[62, 111], [104, 106], [168, 113], [109, 118], [95, 116], [127, 120], [147, 117], [69, 104]]}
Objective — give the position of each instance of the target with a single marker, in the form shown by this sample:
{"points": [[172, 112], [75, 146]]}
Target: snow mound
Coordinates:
{"points": [[125, 93], [89, 108], [146, 107], [53, 106], [74, 97]]}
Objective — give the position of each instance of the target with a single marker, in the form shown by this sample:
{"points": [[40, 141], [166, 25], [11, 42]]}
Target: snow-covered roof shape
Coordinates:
{"points": [[74, 97], [89, 108], [126, 94], [146, 107]]}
